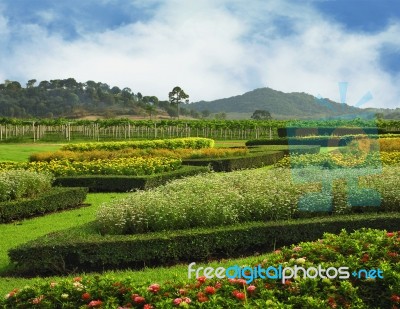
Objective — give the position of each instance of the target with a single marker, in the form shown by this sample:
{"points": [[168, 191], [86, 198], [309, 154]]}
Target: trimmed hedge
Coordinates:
{"points": [[83, 249], [299, 149], [237, 163], [339, 131], [120, 183], [172, 143], [54, 200], [323, 141]]}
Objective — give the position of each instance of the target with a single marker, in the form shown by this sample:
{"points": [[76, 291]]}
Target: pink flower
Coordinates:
{"points": [[148, 306], [187, 300], [177, 301], [218, 285], [390, 234], [139, 300], [154, 288], [297, 249], [251, 288], [95, 303]]}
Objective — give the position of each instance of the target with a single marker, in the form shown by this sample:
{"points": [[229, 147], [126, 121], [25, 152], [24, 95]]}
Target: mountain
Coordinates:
{"points": [[279, 104]]}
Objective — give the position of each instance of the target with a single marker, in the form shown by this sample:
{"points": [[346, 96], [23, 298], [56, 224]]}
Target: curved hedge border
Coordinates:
{"points": [[54, 200], [188, 142], [119, 183], [252, 160], [82, 249]]}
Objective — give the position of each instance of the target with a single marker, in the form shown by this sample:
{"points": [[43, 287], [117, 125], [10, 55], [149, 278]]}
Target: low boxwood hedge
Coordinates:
{"points": [[298, 149], [54, 200], [121, 183], [252, 160], [82, 249], [323, 141]]}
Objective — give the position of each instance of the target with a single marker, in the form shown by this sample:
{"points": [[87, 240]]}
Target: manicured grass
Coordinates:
{"points": [[20, 232], [327, 149], [21, 152]]}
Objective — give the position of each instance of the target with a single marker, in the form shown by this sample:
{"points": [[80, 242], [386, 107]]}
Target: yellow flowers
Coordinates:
{"points": [[135, 166]]}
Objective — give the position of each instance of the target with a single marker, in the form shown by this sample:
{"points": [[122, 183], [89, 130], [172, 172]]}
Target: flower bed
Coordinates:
{"points": [[364, 249], [222, 199], [183, 153], [122, 166], [189, 142], [338, 160]]}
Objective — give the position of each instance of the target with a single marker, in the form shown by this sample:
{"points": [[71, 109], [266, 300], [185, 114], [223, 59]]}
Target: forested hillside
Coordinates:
{"points": [[69, 98]]}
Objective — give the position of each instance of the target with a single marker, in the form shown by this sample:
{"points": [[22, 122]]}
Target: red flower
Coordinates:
{"points": [[241, 281], [154, 288], [209, 290], [139, 300], [240, 295], [395, 298], [182, 291], [201, 279], [390, 234], [332, 302], [148, 306], [365, 258], [177, 301], [218, 285], [133, 296], [288, 282], [297, 249], [86, 296], [251, 288], [78, 279], [95, 303], [201, 297], [393, 254]]}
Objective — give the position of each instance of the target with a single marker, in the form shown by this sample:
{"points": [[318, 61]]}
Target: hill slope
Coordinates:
{"points": [[279, 104]]}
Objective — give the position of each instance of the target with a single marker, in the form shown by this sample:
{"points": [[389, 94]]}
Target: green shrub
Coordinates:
{"points": [[18, 184], [253, 160], [323, 141], [188, 142], [51, 201], [82, 249], [297, 149], [115, 183]]}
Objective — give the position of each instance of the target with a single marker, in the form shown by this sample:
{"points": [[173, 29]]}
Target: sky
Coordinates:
{"points": [[212, 49]]}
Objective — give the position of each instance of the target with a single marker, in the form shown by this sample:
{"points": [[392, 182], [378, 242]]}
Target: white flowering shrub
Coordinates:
{"points": [[17, 184], [227, 198]]}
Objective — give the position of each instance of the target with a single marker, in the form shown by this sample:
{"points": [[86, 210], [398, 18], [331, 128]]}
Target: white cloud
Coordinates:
{"points": [[212, 51]]}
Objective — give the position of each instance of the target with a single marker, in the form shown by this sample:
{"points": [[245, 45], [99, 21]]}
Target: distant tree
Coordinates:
{"points": [[176, 97], [205, 113], [261, 115], [31, 83], [220, 116]]}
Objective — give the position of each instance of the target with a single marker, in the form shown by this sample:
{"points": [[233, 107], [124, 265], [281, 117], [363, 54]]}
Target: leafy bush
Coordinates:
{"points": [[53, 200], [222, 199], [188, 142], [18, 184], [121, 166], [184, 153], [252, 160], [113, 183]]}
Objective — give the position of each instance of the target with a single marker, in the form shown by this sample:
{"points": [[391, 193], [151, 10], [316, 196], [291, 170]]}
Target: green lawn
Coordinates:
{"points": [[21, 152]]}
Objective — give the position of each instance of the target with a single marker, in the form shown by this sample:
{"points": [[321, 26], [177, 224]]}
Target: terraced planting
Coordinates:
{"points": [[223, 215]]}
